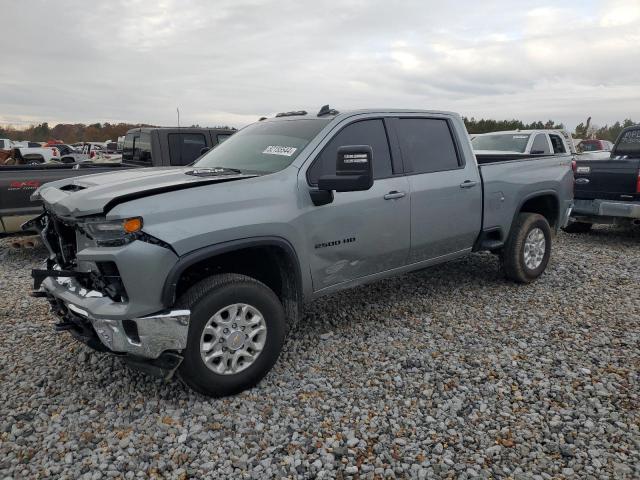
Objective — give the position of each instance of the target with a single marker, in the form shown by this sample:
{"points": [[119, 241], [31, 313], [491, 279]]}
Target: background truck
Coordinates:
{"points": [[523, 143], [34, 155], [171, 146], [201, 270], [607, 190]]}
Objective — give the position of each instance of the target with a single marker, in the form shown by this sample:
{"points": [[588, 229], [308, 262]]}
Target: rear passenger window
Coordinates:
{"points": [[540, 145], [142, 149], [222, 137], [184, 148], [427, 144], [365, 132], [558, 144]]}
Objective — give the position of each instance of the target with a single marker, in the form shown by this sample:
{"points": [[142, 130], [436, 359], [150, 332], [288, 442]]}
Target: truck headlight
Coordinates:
{"points": [[113, 232]]}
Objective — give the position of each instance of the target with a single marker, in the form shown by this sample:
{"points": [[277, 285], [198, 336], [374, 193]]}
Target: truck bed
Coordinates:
{"points": [[509, 182], [486, 158]]}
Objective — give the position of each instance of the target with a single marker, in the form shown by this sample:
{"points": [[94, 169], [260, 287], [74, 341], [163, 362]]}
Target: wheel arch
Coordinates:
{"points": [[545, 203], [278, 268]]}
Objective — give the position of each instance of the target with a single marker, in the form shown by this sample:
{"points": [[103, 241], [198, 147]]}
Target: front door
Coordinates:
{"points": [[359, 233]]}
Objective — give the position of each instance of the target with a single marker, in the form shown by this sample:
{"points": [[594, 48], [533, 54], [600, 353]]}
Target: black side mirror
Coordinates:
{"points": [[204, 150], [354, 170]]}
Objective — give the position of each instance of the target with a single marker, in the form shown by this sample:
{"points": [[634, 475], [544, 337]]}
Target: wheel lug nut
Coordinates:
{"points": [[222, 340], [234, 325], [226, 330]]}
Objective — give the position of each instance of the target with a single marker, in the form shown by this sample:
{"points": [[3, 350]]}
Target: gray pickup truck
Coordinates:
{"points": [[202, 270], [144, 147]]}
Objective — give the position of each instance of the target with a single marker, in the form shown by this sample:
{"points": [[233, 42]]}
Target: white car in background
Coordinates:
{"points": [[523, 142]]}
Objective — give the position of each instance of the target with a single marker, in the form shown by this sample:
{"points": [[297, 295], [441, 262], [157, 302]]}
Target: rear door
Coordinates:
{"points": [[446, 192], [359, 233]]}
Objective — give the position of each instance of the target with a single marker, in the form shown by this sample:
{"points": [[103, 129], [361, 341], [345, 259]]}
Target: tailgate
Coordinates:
{"points": [[611, 179]]}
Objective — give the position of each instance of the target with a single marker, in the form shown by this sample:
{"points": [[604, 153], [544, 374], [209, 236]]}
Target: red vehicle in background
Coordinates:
{"points": [[594, 146]]}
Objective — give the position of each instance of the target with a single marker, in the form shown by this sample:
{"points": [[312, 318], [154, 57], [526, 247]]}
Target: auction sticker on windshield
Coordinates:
{"points": [[278, 150]]}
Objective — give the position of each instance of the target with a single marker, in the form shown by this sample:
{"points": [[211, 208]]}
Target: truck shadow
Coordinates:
{"points": [[609, 234]]}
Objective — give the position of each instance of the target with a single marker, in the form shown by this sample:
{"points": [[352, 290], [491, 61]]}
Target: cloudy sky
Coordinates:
{"points": [[229, 62]]}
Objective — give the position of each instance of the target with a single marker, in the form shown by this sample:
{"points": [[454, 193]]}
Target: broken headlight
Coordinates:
{"points": [[113, 232]]}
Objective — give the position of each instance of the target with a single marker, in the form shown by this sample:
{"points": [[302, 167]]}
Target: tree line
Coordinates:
{"points": [[99, 132], [582, 131], [72, 132]]}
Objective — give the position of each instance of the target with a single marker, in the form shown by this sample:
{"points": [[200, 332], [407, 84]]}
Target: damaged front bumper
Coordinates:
{"points": [[153, 343], [146, 337]]}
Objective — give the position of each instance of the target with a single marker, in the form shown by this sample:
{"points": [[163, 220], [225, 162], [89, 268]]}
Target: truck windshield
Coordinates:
{"points": [[264, 147], [512, 142], [629, 144]]}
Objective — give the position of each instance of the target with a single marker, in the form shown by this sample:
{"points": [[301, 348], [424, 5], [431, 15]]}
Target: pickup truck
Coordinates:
{"points": [[34, 155], [172, 146], [607, 190], [202, 270], [523, 143]]}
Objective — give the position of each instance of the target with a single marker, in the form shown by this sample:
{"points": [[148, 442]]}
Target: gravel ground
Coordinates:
{"points": [[451, 372]]}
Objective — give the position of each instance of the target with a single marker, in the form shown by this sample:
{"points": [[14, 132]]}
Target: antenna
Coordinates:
{"points": [[178, 110]]}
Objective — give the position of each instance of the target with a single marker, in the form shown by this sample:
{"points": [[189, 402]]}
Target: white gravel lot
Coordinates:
{"points": [[452, 372]]}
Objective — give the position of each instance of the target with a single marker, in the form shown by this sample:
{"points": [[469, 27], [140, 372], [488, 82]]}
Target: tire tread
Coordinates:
{"points": [[512, 261]]}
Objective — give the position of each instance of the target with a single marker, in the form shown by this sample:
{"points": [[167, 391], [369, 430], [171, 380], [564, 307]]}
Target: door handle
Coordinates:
{"points": [[468, 184], [393, 195]]}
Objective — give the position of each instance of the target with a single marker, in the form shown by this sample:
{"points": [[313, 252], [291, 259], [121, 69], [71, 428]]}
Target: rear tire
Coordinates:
{"points": [[528, 248], [578, 227], [228, 357]]}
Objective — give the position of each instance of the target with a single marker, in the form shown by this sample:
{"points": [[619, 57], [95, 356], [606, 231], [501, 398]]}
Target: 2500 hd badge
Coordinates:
{"points": [[334, 243]]}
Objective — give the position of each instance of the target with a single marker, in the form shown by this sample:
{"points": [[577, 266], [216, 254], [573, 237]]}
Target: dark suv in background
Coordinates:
{"points": [[169, 146]]}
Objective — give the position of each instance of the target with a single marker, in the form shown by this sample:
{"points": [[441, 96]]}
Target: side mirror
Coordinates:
{"points": [[204, 150], [354, 170]]}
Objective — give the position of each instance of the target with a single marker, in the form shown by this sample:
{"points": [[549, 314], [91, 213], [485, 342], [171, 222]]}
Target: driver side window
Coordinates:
{"points": [[364, 132]]}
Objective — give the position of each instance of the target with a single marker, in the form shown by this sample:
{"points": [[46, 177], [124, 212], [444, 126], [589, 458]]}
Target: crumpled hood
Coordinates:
{"points": [[95, 194]]}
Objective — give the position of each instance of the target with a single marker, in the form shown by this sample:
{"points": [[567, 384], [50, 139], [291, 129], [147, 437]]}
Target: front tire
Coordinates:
{"points": [[236, 332], [528, 248]]}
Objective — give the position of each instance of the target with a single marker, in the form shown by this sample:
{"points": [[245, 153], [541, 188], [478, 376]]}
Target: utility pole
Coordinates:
{"points": [[178, 110]]}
